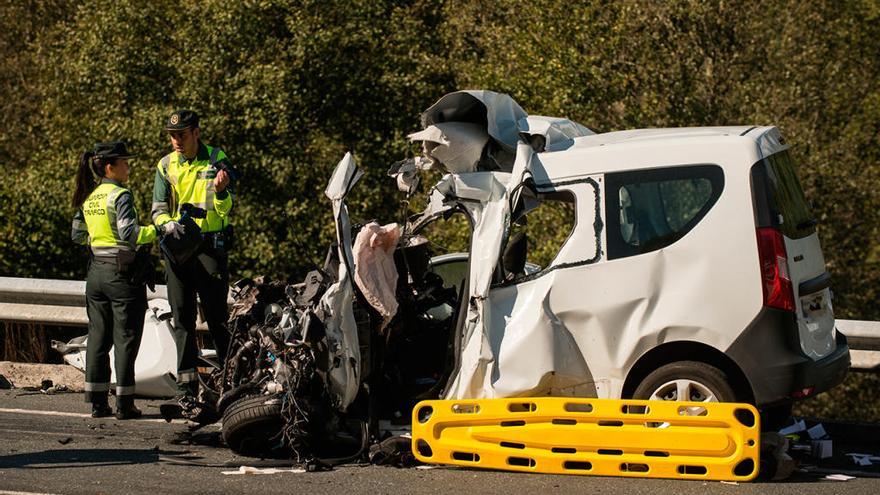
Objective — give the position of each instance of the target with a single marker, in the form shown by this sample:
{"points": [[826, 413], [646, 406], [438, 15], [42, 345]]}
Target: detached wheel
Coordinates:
{"points": [[252, 426], [686, 381]]}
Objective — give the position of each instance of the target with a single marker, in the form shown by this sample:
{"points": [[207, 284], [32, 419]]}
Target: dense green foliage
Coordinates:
{"points": [[286, 87]]}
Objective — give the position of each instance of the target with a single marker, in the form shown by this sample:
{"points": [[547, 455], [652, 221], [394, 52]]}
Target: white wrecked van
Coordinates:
{"points": [[692, 269]]}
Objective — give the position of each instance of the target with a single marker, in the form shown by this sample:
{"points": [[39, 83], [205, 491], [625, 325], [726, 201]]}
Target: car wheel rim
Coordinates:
{"points": [[685, 390]]}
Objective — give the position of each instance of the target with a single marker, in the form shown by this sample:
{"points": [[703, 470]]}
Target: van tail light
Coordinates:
{"points": [[775, 279]]}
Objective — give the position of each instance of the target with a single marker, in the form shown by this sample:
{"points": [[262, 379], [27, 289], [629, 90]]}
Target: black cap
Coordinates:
{"points": [[112, 149], [182, 119]]}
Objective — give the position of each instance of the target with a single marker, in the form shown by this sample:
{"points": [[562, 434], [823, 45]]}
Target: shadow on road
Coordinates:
{"points": [[52, 459]]}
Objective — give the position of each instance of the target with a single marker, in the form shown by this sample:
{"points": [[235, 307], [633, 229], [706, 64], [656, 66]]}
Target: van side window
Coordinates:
{"points": [[542, 223], [648, 210]]}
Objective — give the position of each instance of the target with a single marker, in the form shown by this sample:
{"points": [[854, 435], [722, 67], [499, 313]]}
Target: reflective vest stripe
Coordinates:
{"points": [[163, 164], [193, 182], [105, 250], [111, 216]]}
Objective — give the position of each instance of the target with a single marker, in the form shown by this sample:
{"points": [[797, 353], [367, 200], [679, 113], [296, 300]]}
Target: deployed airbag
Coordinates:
{"points": [[375, 273]]}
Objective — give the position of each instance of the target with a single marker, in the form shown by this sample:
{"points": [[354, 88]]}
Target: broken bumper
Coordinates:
{"points": [[769, 355]]}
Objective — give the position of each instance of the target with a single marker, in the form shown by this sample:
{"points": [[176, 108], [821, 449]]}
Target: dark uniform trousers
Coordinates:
{"points": [[205, 274], [116, 308]]}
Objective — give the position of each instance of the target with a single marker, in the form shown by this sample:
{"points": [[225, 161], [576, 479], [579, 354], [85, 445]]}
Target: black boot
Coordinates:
{"points": [[100, 407], [125, 408]]}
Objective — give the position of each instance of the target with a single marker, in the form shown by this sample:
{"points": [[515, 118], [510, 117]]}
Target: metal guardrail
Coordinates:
{"points": [[62, 302], [864, 343], [53, 302]]}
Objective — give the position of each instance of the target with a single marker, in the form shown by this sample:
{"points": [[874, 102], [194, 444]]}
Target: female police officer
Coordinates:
{"points": [[116, 303]]}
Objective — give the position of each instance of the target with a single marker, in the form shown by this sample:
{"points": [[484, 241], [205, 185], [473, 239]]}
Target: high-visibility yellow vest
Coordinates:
{"points": [[192, 181], [99, 213]]}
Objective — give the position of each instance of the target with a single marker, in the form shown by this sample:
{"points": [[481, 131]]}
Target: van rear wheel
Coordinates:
{"points": [[686, 381]]}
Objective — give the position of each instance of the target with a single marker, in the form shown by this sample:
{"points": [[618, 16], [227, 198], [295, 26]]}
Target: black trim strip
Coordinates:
{"points": [[815, 284], [597, 230], [748, 130], [551, 186]]}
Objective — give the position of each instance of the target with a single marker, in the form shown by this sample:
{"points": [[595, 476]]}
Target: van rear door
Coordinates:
{"points": [[790, 212]]}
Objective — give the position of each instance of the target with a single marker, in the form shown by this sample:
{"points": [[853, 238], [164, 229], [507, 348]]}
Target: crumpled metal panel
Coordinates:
{"points": [[155, 368], [456, 145], [490, 214], [345, 176], [501, 111], [558, 133], [515, 343], [344, 354]]}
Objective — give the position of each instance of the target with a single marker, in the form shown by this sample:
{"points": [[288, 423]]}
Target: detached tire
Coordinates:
{"points": [[686, 381], [252, 426]]}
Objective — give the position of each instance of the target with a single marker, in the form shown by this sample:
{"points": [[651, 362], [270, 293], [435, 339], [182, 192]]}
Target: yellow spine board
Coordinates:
{"points": [[607, 437]]}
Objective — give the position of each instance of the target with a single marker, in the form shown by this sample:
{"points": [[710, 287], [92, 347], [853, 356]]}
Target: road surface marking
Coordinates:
{"points": [[50, 433], [89, 416]]}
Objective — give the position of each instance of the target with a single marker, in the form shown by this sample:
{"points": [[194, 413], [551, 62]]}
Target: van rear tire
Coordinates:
{"points": [[694, 380]]}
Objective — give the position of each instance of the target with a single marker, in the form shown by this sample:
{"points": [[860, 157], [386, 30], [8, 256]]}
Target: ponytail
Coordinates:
{"points": [[90, 168]]}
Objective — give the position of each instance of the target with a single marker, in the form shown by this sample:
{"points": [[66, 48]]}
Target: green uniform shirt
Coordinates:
{"points": [[108, 223], [191, 181]]}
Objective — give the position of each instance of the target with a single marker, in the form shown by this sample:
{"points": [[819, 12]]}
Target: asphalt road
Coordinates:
{"points": [[50, 445]]}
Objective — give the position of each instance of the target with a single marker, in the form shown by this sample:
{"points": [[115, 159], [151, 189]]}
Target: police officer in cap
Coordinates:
{"points": [[107, 221], [198, 175]]}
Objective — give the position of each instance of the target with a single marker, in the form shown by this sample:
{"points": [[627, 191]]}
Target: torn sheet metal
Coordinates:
{"points": [[490, 213], [155, 368], [557, 133], [456, 145], [498, 112], [344, 356], [406, 173], [515, 342]]}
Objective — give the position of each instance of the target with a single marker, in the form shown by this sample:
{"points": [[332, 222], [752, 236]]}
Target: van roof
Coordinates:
{"points": [[666, 134], [765, 140]]}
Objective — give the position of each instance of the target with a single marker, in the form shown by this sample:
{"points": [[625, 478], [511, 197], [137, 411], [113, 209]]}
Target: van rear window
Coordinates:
{"points": [[650, 209], [796, 220]]}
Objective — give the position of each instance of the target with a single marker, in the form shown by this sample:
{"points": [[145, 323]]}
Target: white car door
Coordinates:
{"points": [[523, 333], [344, 351]]}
